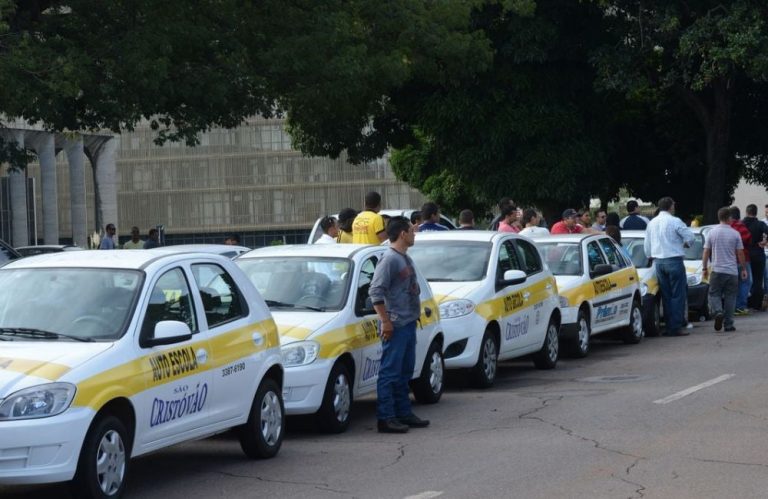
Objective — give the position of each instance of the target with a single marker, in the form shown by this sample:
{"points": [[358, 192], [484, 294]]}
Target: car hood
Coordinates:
{"points": [[445, 291], [692, 266], [29, 363], [566, 282], [300, 326]]}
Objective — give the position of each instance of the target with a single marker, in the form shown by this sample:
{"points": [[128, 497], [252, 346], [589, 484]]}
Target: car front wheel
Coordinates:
{"points": [[633, 333], [546, 358], [579, 346], [334, 413], [484, 372], [103, 466]]}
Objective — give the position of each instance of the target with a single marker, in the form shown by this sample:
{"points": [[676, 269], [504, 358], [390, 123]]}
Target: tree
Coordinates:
{"points": [[710, 56]]}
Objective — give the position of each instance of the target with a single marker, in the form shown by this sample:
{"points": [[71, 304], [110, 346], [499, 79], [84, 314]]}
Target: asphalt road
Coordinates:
{"points": [[668, 418]]}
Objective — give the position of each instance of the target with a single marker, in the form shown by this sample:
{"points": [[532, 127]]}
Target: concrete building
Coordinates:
{"points": [[248, 180]]}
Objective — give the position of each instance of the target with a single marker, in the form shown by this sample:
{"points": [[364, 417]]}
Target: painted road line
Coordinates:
{"points": [[693, 389], [427, 494]]}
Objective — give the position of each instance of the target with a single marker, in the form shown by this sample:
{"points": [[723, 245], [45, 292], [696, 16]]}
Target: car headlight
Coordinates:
{"points": [[299, 354], [456, 308], [694, 279], [643, 289], [40, 401], [563, 302]]}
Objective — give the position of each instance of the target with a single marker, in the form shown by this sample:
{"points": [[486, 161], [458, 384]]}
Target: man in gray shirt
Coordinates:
{"points": [[723, 244], [394, 291]]}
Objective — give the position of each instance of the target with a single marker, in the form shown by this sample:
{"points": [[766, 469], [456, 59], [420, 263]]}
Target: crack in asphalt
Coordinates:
{"points": [[744, 413], [320, 485], [639, 490], [737, 463], [401, 454]]}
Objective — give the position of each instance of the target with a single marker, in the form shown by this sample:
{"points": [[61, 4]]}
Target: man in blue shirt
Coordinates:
{"points": [[430, 213], [633, 221], [108, 242]]}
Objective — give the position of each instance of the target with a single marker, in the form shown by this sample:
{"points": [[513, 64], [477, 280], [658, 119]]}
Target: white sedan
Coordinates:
{"points": [[318, 295], [108, 355]]}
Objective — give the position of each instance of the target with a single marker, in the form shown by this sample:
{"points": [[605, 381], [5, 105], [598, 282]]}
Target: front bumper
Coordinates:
{"points": [[463, 336], [698, 296], [44, 450], [569, 327], [304, 387]]}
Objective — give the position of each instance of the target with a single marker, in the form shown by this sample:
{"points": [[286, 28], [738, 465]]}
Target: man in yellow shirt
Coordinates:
{"points": [[368, 227]]}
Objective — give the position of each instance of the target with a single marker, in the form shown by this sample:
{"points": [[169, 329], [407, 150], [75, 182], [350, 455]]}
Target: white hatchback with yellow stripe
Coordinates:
{"points": [[318, 295], [599, 288], [497, 300], [105, 355], [633, 241]]}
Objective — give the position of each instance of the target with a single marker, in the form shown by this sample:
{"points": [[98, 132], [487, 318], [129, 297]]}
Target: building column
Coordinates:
{"points": [[17, 185], [77, 205], [102, 154], [43, 143]]}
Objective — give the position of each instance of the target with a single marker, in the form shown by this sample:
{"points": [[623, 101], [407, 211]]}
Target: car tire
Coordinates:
{"points": [[336, 409], [102, 469], [653, 328], [633, 332], [262, 435], [578, 347], [428, 387], [547, 357], [704, 314], [483, 374]]}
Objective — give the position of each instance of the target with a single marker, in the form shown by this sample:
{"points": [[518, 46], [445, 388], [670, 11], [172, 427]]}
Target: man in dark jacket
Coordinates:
{"points": [[759, 232]]}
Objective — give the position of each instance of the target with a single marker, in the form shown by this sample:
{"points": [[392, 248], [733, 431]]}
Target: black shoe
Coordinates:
{"points": [[392, 426], [718, 322], [414, 421], [729, 329]]}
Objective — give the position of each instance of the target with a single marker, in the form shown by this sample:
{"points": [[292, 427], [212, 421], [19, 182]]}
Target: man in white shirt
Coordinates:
{"points": [[665, 241], [330, 231]]}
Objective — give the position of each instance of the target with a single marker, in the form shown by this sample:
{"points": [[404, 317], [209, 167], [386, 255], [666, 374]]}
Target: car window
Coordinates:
{"points": [[528, 256], [365, 276], [562, 258], [636, 250], [222, 300], [612, 253], [508, 259], [7, 254], [169, 301], [696, 250], [594, 255], [451, 261]]}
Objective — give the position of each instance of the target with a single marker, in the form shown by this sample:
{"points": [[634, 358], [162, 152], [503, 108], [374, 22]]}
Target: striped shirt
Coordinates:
{"points": [[724, 242], [665, 236]]}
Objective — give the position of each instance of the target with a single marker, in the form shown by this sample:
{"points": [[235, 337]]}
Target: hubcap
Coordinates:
{"points": [[436, 372], [271, 418], [110, 462], [341, 400], [637, 322], [553, 343], [489, 359], [583, 334]]}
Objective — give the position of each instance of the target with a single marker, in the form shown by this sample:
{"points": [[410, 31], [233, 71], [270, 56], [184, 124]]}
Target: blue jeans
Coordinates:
{"points": [[672, 280], [744, 285], [398, 357]]}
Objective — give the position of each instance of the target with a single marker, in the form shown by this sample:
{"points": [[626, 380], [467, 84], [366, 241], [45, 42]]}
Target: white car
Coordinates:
{"points": [[497, 299], [227, 250], [634, 241], [318, 295], [599, 288], [108, 355]]}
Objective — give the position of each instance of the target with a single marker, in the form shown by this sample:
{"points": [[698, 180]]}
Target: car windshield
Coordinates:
{"points": [[306, 283], [451, 261], [75, 303], [563, 258], [696, 250], [636, 251]]}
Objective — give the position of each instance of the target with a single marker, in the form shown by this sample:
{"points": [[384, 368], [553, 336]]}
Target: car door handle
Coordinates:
{"points": [[428, 311], [631, 278], [526, 295], [201, 355], [613, 284]]}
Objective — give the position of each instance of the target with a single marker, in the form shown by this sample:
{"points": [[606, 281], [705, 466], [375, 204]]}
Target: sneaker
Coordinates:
{"points": [[414, 421], [729, 329], [740, 311], [392, 426], [718, 322]]}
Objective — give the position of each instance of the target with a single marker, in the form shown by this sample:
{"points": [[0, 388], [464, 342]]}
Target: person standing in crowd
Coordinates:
{"points": [[346, 218], [368, 227], [765, 274], [746, 241], [232, 240], [416, 220], [758, 232], [466, 220], [108, 241], [615, 233], [395, 291], [430, 213], [612, 219], [665, 241], [330, 231], [508, 221], [724, 247], [531, 221], [600, 224], [634, 220], [498, 218], [135, 242], [585, 218], [569, 223], [153, 241]]}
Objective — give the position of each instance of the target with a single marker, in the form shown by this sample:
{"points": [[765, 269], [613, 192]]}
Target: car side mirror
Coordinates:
{"points": [[513, 277], [601, 269], [167, 333]]}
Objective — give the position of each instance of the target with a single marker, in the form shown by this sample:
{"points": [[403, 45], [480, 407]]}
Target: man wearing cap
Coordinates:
{"points": [[570, 224]]}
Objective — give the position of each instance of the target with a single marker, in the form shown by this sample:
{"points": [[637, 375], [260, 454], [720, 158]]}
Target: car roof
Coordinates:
{"points": [[637, 234], [203, 248], [315, 250], [565, 238], [461, 235], [113, 259], [49, 246]]}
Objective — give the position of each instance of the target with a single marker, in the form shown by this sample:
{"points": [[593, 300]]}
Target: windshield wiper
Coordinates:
{"points": [[309, 307], [40, 333], [441, 280], [274, 303]]}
